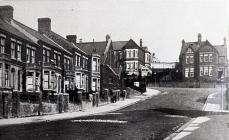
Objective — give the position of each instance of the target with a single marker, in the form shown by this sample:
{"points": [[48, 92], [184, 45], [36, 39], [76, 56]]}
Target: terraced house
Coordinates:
{"points": [[103, 64], [77, 73], [40, 63], [202, 61], [24, 70]]}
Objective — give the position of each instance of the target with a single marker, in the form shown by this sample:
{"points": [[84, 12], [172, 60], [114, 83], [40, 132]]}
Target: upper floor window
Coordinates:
{"points": [[56, 58], [86, 63], [201, 58], [30, 54], [66, 63], [2, 45], [95, 65], [13, 49], [210, 57], [189, 59], [19, 51], [77, 60], [206, 57], [46, 54], [131, 53], [27, 55]]}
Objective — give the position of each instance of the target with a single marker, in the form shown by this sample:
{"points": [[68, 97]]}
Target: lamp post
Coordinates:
{"points": [[221, 80], [41, 89], [155, 79]]}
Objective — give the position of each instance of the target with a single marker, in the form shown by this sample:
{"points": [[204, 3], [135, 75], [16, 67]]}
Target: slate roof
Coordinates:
{"points": [[39, 36], [222, 50], [118, 45], [89, 48], [62, 41], [6, 26]]}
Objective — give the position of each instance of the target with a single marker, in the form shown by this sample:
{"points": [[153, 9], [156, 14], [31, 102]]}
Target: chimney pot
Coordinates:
{"points": [[44, 25], [199, 38], [6, 12], [183, 42], [107, 37], [80, 40], [72, 38]]}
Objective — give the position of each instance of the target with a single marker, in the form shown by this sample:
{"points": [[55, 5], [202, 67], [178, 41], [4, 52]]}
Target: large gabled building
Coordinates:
{"points": [[130, 57], [202, 61]]}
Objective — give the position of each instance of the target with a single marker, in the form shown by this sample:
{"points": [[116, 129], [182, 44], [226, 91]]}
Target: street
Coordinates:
{"points": [[154, 118]]}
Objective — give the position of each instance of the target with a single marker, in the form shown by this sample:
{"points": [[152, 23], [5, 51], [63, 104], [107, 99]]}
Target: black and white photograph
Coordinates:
{"points": [[114, 70]]}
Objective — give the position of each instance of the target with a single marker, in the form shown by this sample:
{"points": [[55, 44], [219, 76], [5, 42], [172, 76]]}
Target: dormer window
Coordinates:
{"points": [[189, 50]]}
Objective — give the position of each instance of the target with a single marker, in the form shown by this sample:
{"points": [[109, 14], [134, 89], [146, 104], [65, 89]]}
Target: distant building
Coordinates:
{"points": [[163, 65], [130, 57], [203, 61]]}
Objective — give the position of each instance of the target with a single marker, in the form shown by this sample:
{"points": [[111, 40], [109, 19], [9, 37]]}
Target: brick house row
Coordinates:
{"points": [[202, 61], [31, 61]]}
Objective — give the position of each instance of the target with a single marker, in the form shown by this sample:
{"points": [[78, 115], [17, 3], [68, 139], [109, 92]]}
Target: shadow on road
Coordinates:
{"points": [[188, 113]]}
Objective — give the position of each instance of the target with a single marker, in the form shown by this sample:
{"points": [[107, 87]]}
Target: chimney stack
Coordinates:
{"points": [[199, 38], [107, 37], [6, 12], [183, 42], [140, 42], [225, 41], [44, 25], [72, 38]]}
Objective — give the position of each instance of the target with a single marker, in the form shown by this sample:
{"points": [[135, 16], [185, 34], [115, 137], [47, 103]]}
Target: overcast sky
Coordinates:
{"points": [[162, 24]]}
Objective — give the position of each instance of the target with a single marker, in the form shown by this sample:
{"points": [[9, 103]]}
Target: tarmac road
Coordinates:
{"points": [[154, 118]]}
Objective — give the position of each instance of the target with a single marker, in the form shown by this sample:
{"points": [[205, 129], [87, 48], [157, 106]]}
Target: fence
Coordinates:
{"points": [[16, 104], [184, 84]]}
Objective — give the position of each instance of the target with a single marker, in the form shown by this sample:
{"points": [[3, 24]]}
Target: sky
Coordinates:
{"points": [[162, 24]]}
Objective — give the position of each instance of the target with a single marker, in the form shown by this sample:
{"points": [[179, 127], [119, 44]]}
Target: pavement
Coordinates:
{"points": [[92, 111], [210, 127]]}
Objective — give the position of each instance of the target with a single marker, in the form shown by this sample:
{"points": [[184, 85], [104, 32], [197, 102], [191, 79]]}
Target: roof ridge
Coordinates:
{"points": [[57, 44], [66, 41]]}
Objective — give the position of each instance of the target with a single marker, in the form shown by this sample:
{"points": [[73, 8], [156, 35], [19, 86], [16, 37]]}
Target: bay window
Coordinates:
{"points": [[29, 81], [7, 82], [46, 80]]}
